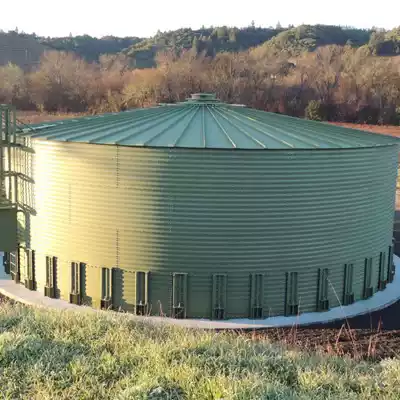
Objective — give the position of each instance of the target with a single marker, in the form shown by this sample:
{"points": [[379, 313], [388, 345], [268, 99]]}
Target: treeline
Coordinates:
{"points": [[88, 47], [25, 49], [212, 40], [209, 41], [338, 83]]}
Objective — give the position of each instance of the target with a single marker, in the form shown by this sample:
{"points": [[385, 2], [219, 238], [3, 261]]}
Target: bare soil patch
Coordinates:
{"points": [[373, 336], [34, 117], [384, 129], [366, 344]]}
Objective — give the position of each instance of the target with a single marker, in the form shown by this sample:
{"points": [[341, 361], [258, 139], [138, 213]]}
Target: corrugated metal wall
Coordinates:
{"points": [[396, 232], [205, 212], [396, 228]]}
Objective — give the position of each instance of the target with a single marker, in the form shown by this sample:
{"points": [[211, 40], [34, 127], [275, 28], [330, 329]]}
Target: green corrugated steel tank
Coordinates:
{"points": [[208, 210]]}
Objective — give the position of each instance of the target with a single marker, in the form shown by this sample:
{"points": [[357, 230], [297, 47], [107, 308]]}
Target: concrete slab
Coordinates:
{"points": [[377, 302]]}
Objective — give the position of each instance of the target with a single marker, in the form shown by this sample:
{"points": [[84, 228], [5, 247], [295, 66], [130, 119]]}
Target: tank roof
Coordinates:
{"points": [[204, 122]]}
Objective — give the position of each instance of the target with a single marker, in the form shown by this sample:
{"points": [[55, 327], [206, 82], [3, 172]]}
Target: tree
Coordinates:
{"points": [[348, 82], [326, 72], [12, 84], [62, 82]]}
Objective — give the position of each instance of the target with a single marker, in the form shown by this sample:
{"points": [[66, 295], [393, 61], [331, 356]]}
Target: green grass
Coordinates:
{"points": [[53, 355]]}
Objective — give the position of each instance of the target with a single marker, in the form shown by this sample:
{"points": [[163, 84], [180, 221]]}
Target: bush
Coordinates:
{"points": [[314, 110]]}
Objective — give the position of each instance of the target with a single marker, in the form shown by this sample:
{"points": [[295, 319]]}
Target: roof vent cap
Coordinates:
{"points": [[203, 98]]}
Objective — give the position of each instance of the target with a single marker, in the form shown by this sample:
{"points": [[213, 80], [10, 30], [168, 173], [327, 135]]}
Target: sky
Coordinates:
{"points": [[143, 18]]}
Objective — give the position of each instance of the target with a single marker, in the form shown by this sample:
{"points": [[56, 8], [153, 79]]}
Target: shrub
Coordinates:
{"points": [[314, 110]]}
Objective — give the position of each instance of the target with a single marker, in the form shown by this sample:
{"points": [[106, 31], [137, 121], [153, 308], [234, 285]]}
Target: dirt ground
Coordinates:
{"points": [[34, 117], [366, 344], [384, 129], [371, 336]]}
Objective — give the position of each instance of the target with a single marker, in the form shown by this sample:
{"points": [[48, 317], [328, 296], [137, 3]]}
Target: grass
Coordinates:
{"points": [[65, 355]]}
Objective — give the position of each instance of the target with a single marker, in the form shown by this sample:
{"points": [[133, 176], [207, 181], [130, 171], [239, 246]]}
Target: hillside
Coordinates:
{"points": [[22, 50], [25, 50], [383, 43], [88, 47], [308, 37], [208, 40], [65, 355], [318, 72]]}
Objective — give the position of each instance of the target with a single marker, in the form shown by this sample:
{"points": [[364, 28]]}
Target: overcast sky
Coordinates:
{"points": [[144, 18]]}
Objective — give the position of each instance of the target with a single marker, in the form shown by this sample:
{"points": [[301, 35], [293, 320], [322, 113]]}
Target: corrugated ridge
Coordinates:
{"points": [[207, 126]]}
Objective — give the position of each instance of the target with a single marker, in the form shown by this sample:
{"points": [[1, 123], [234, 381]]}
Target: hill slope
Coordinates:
{"points": [[383, 43], [88, 47], [20, 49], [309, 37], [209, 40], [25, 50]]}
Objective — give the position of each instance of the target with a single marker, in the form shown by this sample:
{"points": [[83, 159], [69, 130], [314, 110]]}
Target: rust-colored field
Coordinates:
{"points": [[384, 129], [34, 117]]}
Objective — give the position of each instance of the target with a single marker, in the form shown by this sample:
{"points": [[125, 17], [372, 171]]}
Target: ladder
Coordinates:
{"points": [[16, 184], [7, 139], [15, 162]]}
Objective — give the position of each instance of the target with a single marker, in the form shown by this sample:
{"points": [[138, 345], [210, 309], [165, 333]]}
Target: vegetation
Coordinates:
{"points": [[88, 47], [346, 84], [62, 355], [25, 50], [314, 110], [321, 72], [384, 43], [209, 41], [294, 41], [22, 48]]}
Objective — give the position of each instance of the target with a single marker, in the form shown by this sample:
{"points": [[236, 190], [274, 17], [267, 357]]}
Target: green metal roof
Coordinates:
{"points": [[204, 122]]}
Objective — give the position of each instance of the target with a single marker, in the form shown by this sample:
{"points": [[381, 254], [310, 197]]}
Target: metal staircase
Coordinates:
{"points": [[16, 191]]}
